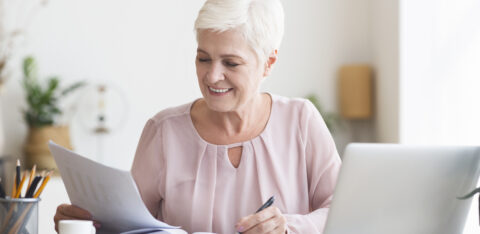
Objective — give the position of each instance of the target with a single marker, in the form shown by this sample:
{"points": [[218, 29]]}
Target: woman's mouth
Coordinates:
{"points": [[219, 91]]}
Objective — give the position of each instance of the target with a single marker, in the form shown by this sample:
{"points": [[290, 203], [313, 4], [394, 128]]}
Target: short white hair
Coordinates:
{"points": [[260, 21]]}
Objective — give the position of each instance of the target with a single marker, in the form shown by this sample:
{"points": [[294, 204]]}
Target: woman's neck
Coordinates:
{"points": [[248, 120]]}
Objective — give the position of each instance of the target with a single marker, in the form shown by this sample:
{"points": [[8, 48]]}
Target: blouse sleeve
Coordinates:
{"points": [[323, 164], [147, 167]]}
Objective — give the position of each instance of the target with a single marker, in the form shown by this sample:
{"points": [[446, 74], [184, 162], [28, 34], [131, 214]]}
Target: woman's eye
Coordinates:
{"points": [[231, 64], [202, 60]]}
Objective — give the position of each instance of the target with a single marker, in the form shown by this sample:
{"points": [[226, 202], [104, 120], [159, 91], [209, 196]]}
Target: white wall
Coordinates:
{"points": [[426, 57], [147, 49], [385, 59]]}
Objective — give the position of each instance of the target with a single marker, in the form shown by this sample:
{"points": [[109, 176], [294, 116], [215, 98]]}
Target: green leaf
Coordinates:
{"points": [[30, 67], [72, 88], [469, 195], [53, 83]]}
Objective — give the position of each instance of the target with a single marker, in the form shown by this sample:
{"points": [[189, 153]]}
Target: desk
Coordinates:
{"points": [[55, 194]]}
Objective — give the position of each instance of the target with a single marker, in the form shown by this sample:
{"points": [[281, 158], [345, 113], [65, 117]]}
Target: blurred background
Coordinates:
{"points": [[418, 62]]}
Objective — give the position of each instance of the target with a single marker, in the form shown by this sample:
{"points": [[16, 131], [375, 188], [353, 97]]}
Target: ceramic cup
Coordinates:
{"points": [[76, 227]]}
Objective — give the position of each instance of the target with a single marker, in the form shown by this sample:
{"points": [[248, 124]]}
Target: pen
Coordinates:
{"points": [[267, 204]]}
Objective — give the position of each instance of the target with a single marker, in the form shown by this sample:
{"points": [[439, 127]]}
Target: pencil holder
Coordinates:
{"points": [[19, 215]]}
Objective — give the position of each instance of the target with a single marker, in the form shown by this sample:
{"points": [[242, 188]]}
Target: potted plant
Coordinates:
{"points": [[42, 114], [331, 119]]}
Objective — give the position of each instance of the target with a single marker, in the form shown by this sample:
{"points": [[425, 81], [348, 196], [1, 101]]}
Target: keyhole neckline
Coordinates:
{"points": [[236, 144]]}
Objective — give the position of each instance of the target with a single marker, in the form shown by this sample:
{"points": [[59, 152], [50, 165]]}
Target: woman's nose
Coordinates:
{"points": [[215, 73]]}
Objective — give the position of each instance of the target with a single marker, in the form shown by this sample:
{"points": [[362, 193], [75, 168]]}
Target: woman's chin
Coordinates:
{"points": [[220, 103], [219, 107]]}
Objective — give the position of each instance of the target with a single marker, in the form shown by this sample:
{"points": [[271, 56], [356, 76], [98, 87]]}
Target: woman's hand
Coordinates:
{"points": [[269, 220], [66, 211]]}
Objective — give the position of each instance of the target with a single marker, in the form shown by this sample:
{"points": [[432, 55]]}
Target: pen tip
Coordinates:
{"points": [[18, 162]]}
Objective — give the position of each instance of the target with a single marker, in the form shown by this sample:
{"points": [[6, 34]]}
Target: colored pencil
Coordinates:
{"points": [[32, 175], [44, 183], [33, 187], [17, 178], [19, 189]]}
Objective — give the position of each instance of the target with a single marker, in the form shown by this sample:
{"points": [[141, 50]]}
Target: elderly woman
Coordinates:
{"points": [[210, 164]]}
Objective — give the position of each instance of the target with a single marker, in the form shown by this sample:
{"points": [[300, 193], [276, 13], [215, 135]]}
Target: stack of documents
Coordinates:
{"points": [[109, 194]]}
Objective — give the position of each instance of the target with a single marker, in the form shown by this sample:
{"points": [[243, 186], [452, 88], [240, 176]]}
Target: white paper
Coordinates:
{"points": [[109, 194], [155, 230]]}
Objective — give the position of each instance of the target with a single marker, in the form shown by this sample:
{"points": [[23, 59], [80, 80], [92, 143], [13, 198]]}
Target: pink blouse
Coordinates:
{"points": [[186, 181]]}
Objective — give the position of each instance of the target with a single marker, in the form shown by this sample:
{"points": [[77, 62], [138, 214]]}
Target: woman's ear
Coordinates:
{"points": [[271, 60]]}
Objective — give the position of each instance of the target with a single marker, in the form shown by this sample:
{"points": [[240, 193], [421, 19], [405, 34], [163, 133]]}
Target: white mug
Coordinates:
{"points": [[76, 227]]}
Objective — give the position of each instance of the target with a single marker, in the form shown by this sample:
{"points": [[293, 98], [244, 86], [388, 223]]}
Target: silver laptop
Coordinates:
{"points": [[390, 189]]}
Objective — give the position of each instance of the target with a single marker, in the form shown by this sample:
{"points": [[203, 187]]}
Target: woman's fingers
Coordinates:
{"points": [[264, 227], [73, 211], [247, 222], [68, 212], [267, 221], [279, 230]]}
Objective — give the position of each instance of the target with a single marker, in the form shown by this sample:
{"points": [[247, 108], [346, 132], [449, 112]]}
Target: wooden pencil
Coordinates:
{"points": [[19, 189], [17, 178], [33, 187], [32, 175], [44, 183]]}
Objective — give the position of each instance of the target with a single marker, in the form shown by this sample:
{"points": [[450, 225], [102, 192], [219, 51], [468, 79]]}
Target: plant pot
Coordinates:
{"points": [[36, 147]]}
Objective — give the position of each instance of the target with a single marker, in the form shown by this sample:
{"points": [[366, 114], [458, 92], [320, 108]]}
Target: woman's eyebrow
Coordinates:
{"points": [[230, 56], [201, 51], [222, 55]]}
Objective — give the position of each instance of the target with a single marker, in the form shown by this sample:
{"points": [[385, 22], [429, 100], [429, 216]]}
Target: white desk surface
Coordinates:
{"points": [[55, 194]]}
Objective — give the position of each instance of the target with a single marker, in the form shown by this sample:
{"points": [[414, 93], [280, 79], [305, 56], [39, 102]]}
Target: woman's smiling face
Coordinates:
{"points": [[228, 70]]}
